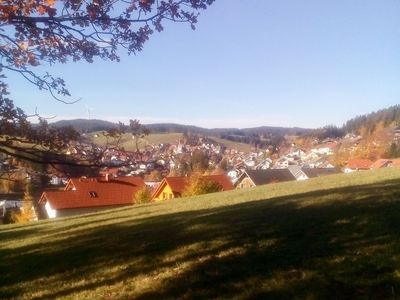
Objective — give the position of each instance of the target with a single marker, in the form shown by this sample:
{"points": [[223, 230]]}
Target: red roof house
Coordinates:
{"points": [[358, 164], [381, 163], [173, 187], [84, 195]]}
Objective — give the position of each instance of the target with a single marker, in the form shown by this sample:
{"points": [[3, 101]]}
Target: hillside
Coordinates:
{"points": [[130, 145], [164, 138], [335, 237], [368, 122], [86, 125], [234, 145], [390, 115]]}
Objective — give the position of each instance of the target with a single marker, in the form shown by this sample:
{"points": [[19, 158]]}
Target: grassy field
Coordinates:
{"points": [[128, 143], [335, 237], [164, 138], [234, 145]]}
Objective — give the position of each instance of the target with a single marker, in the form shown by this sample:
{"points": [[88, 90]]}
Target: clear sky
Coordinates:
{"points": [[305, 63]]}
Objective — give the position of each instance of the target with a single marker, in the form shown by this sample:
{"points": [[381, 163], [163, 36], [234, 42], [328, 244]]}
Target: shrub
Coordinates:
{"points": [[26, 213], [143, 195], [198, 186], [23, 215]]}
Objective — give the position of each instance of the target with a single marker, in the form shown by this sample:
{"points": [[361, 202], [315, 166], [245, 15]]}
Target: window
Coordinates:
{"points": [[93, 194]]}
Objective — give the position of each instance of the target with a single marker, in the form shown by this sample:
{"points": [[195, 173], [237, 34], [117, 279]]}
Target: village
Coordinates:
{"points": [[199, 149], [168, 170]]}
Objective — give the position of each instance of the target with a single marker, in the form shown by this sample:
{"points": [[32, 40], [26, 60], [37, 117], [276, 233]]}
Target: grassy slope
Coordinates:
{"points": [[164, 138], [330, 238], [129, 145], [234, 145]]}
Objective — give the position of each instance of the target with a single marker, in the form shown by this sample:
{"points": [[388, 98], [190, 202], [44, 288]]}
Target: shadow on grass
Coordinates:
{"points": [[304, 246]]}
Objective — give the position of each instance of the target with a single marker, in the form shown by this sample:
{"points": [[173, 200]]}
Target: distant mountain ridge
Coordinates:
{"points": [[85, 125], [390, 115]]}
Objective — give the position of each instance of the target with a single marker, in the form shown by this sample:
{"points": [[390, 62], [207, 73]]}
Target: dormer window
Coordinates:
{"points": [[93, 194]]}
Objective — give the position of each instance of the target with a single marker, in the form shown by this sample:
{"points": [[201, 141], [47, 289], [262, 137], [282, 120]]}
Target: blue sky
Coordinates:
{"points": [[249, 63]]}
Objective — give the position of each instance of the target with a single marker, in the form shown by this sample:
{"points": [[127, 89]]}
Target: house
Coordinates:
{"points": [[326, 149], [86, 195], [325, 165], [381, 163], [264, 165], [385, 163], [233, 174], [173, 187], [357, 164], [298, 153], [251, 178], [282, 163]]}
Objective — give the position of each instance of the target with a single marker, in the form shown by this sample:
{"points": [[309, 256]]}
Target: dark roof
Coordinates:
{"points": [[318, 172], [260, 177]]}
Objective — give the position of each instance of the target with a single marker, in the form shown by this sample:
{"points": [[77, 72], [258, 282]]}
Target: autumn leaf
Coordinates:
{"points": [[50, 2], [41, 10]]}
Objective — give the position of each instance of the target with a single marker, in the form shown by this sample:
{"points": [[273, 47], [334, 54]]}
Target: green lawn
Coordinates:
{"points": [[336, 237]]}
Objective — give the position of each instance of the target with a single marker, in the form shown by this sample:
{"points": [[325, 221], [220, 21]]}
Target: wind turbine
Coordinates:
{"points": [[88, 110]]}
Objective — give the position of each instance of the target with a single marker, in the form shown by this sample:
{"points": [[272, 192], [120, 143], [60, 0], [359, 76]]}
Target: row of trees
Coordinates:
{"points": [[393, 151]]}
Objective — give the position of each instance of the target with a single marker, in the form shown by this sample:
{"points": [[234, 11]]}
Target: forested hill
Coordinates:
{"points": [[388, 116], [85, 125]]}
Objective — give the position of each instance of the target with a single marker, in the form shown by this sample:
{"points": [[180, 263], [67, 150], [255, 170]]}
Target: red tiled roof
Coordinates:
{"points": [[380, 163], [222, 180], [359, 163], [177, 184], [94, 192]]}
